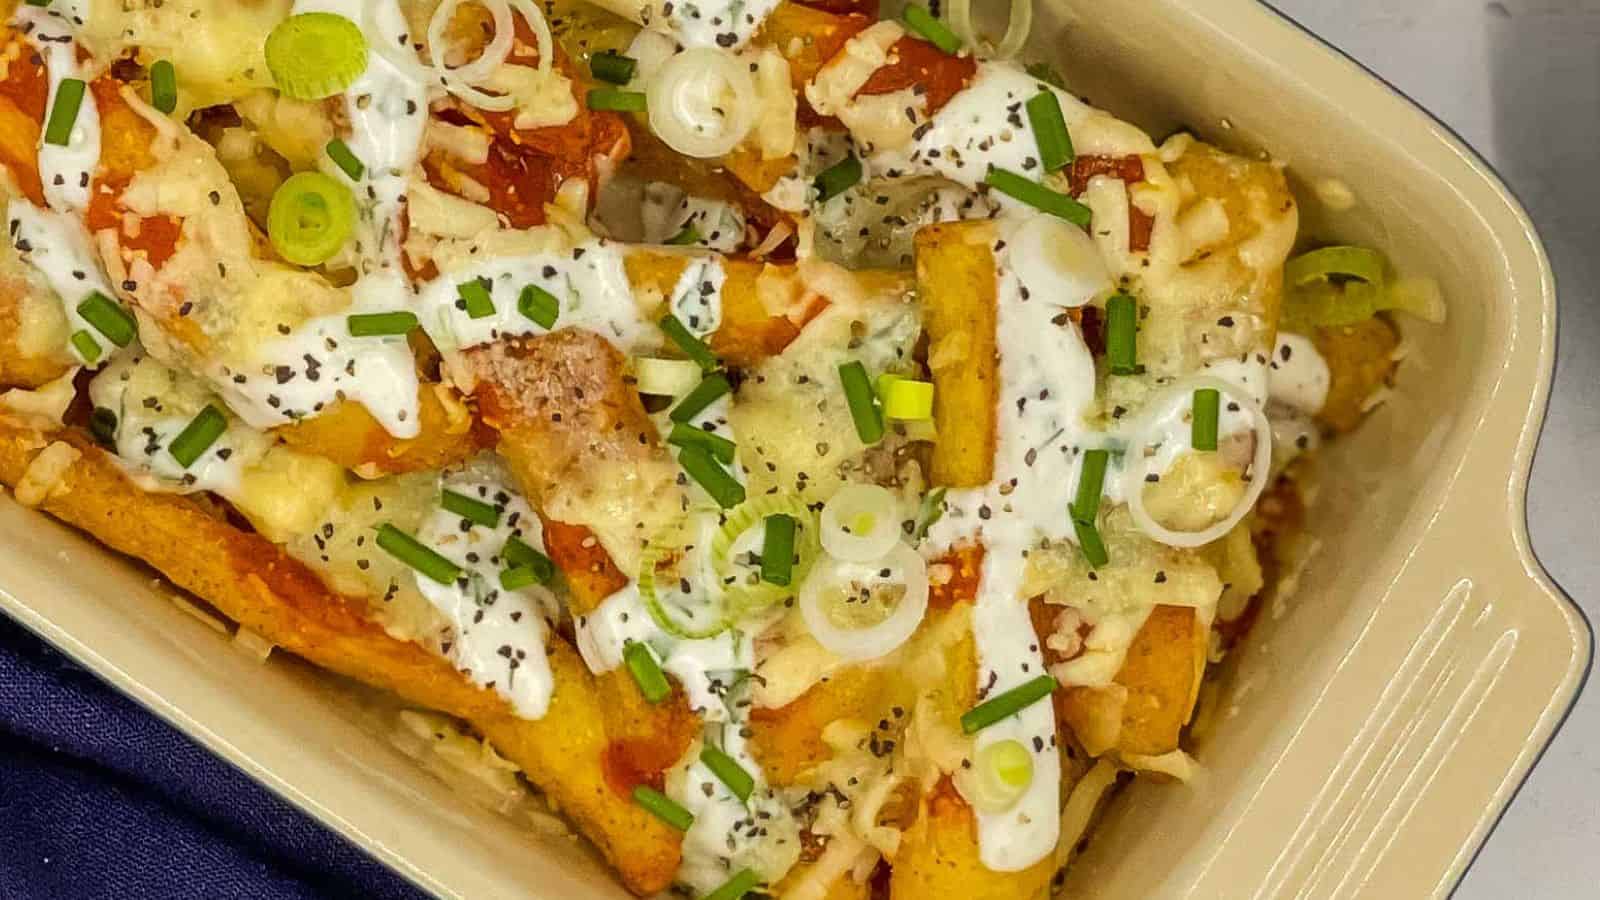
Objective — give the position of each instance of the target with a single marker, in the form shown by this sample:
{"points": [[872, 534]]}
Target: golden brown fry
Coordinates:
{"points": [[788, 741], [19, 368], [1145, 710], [956, 283], [257, 584], [351, 437], [1361, 360], [939, 858]]}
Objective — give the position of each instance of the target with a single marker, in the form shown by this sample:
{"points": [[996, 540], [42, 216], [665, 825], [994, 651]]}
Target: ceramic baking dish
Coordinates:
{"points": [[1373, 728]]}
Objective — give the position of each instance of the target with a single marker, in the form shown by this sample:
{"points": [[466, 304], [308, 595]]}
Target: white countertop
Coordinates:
{"points": [[1520, 80]]}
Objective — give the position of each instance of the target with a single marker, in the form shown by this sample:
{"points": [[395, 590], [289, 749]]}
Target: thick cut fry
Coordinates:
{"points": [[258, 585], [1145, 709], [956, 282], [19, 367], [23, 92], [351, 437], [749, 331], [788, 741], [1361, 360], [939, 858]]}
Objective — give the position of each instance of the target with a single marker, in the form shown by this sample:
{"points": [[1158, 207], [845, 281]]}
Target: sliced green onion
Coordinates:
{"points": [[705, 471], [108, 318], [39, 3], [417, 555], [470, 508], [346, 159], [1091, 483], [519, 577], [906, 399], [838, 178], [539, 305], [475, 298], [930, 511], [745, 587], [688, 237], [663, 807], [1122, 335], [665, 377], [88, 348], [1335, 263], [720, 448], [1038, 196], [69, 97], [521, 556], [613, 100], [1050, 131], [728, 771], [163, 86], [311, 217], [1207, 411], [1004, 770], [932, 30], [710, 389], [777, 550], [692, 347], [646, 671], [735, 888], [198, 436], [1007, 704], [863, 409], [388, 324], [608, 65], [1091, 544], [313, 56]]}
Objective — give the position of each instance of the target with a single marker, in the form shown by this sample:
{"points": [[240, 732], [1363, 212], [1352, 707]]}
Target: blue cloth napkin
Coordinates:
{"points": [[100, 799]]}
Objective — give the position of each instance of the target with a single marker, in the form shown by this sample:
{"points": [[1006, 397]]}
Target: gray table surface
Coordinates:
{"points": [[1520, 80]]}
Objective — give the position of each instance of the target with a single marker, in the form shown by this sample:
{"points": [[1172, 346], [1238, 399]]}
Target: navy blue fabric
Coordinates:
{"points": [[100, 799]]}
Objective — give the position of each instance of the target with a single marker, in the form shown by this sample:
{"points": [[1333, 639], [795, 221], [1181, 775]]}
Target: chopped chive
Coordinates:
{"points": [[198, 436], [1207, 410], [684, 436], [39, 3], [519, 577], [608, 65], [838, 178], [706, 472], [475, 298], [539, 305], [1091, 544], [345, 159], [737, 887], [930, 511], [777, 550], [470, 508], [710, 389], [163, 86], [103, 425], [108, 318], [646, 671], [728, 771], [69, 97], [521, 556], [863, 409], [692, 347], [1007, 704], [1122, 335], [931, 29], [1050, 131], [662, 807], [688, 237], [1038, 196], [388, 324], [1091, 482], [613, 100], [88, 348], [417, 555]]}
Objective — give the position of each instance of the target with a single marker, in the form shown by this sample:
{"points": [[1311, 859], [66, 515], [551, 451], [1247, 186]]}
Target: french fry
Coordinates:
{"points": [[1360, 360], [957, 286], [1153, 695], [939, 857], [257, 584], [348, 435]]}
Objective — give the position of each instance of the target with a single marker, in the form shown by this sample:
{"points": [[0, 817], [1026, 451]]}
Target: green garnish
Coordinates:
{"points": [[646, 671], [932, 30], [838, 178], [1091, 483], [103, 425], [539, 305], [64, 114], [519, 577], [687, 237], [164, 86], [684, 436], [88, 348], [663, 807], [198, 436], [475, 298], [1050, 131], [521, 556], [108, 318], [692, 347], [345, 159], [608, 65], [728, 771], [777, 550], [470, 508], [737, 887], [311, 217], [313, 56], [710, 389], [1122, 335], [1091, 544], [1038, 196], [706, 472], [1207, 412], [417, 555], [1007, 704], [863, 407], [613, 100], [388, 324]]}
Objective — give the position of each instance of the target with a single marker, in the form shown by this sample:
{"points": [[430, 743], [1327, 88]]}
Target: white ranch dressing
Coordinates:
{"points": [[57, 246], [720, 24], [319, 363], [590, 284], [65, 172], [697, 297], [498, 636], [1299, 376]]}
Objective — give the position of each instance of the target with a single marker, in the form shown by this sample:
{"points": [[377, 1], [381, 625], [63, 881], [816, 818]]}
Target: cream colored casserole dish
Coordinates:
{"points": [[1390, 695]]}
